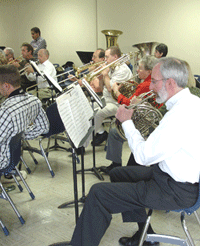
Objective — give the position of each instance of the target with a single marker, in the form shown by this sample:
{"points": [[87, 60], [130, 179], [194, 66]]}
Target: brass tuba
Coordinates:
{"points": [[145, 116], [111, 37]]}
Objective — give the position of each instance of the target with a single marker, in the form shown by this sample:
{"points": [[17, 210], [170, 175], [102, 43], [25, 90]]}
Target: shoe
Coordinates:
{"points": [[99, 138], [10, 179], [109, 168], [61, 244], [134, 241]]}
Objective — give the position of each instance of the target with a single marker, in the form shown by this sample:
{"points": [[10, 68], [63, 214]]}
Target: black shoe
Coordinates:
{"points": [[109, 168], [61, 244], [134, 241], [99, 138]]}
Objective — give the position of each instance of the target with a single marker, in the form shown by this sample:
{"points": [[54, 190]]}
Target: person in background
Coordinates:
{"points": [[38, 42], [161, 50], [9, 54]]}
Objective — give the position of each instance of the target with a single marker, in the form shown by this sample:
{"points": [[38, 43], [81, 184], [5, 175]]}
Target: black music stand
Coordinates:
{"points": [[76, 201], [94, 98]]}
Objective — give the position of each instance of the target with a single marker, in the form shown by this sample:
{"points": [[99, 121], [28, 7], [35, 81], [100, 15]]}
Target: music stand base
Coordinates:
{"points": [[66, 204], [95, 171]]}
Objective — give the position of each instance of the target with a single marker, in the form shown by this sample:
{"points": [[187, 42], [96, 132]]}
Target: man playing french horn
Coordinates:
{"points": [[110, 76]]}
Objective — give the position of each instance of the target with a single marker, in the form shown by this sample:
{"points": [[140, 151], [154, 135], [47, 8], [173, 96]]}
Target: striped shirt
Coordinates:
{"points": [[20, 112], [39, 43]]}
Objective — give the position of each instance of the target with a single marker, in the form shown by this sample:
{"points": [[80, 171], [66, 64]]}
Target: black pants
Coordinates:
{"points": [[133, 189]]}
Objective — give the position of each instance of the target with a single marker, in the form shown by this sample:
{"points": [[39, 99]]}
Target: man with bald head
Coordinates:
{"points": [[44, 66]]}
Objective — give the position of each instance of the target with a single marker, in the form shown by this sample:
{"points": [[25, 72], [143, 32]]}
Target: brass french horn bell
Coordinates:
{"points": [[111, 37]]}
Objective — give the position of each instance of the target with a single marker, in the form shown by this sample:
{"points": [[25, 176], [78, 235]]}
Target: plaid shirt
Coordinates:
{"points": [[20, 112]]}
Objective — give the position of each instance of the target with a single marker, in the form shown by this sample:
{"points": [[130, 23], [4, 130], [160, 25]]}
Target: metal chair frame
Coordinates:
{"points": [[172, 239], [15, 154]]}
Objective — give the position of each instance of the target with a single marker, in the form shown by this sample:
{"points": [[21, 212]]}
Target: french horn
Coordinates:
{"points": [[145, 116]]}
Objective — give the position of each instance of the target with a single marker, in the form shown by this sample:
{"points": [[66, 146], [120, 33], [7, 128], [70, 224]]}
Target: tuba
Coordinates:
{"points": [[111, 37], [145, 116]]}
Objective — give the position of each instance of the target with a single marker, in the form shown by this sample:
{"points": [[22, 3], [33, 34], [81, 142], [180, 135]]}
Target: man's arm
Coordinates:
{"points": [[39, 126]]}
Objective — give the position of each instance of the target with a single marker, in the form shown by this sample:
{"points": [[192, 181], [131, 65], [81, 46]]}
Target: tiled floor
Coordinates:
{"points": [[46, 224]]}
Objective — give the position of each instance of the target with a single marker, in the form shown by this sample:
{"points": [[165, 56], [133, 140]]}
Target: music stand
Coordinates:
{"points": [[69, 109], [94, 98]]}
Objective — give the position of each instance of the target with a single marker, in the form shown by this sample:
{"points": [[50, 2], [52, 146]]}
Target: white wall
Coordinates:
{"points": [[175, 23], [71, 25]]}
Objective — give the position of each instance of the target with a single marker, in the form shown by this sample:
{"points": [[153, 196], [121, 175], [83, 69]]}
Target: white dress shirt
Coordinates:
{"points": [[174, 144], [119, 74], [49, 68]]}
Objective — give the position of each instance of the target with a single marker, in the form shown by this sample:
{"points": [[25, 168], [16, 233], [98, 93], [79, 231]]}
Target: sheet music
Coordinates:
{"points": [[52, 80], [75, 112]]}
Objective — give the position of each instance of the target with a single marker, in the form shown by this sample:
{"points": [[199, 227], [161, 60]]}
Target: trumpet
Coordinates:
{"points": [[19, 59], [145, 116]]}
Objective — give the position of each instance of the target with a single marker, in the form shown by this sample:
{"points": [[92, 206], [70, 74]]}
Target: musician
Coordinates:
{"points": [[9, 54], [43, 91], [161, 50], [110, 75], [115, 142], [3, 60], [96, 83], [168, 175], [38, 42], [19, 112], [27, 54]]}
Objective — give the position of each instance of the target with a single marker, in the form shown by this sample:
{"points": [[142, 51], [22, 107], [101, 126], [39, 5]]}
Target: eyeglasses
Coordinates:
{"points": [[156, 80]]}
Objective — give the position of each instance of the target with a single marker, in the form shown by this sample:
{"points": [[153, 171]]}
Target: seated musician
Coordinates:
{"points": [[161, 50], [9, 54], [42, 91], [19, 112], [96, 83], [38, 42], [110, 76], [115, 142], [167, 177], [27, 54]]}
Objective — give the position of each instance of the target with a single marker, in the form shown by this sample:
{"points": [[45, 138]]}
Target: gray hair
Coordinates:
{"points": [[10, 50], [148, 62], [174, 68]]}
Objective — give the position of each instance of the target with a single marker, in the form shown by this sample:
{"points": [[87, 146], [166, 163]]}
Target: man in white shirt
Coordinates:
{"points": [[167, 177], [42, 84]]}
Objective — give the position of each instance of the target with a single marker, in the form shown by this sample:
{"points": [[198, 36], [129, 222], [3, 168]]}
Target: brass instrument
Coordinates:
{"points": [[127, 88], [86, 66], [124, 58], [111, 37], [19, 59], [145, 116], [144, 49]]}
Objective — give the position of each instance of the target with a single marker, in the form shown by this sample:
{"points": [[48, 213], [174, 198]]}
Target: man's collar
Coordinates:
{"points": [[170, 103], [18, 91]]}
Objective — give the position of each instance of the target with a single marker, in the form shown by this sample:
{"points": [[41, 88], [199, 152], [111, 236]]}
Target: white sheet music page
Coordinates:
{"points": [[75, 112]]}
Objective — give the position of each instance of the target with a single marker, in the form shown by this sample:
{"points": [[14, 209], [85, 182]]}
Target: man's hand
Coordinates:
{"points": [[135, 100], [123, 114], [29, 69]]}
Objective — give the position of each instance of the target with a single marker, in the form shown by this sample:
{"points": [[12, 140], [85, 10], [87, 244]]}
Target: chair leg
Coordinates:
{"points": [[146, 226], [189, 238], [46, 159], [25, 184], [27, 168], [30, 152], [4, 228], [7, 197], [197, 216]]}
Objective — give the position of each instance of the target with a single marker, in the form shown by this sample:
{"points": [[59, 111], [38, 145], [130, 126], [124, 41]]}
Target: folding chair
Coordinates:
{"points": [[56, 127], [11, 169], [172, 239]]}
